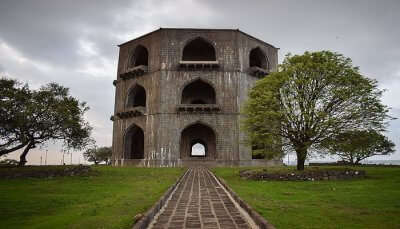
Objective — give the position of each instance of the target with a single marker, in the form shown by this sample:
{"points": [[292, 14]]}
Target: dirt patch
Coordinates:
{"points": [[10, 172], [306, 175]]}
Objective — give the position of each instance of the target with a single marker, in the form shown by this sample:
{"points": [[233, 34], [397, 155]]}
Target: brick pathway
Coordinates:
{"points": [[200, 201]]}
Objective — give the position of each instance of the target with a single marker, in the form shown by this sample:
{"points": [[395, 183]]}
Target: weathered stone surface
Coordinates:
{"points": [[167, 112]]}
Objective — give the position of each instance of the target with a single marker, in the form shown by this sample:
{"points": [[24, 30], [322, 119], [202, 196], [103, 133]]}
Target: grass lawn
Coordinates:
{"points": [[109, 199], [373, 202]]}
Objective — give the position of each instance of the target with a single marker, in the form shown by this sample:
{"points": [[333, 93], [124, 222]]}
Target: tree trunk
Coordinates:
{"points": [[22, 158], [301, 153], [357, 161], [7, 151]]}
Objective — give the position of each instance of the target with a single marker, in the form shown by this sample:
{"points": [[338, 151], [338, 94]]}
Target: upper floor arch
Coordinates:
{"points": [[199, 49], [136, 97], [198, 91], [139, 56], [257, 58]]}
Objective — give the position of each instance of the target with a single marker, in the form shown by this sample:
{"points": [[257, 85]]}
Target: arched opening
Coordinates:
{"points": [[134, 143], [198, 140], [140, 56], [258, 58], [136, 97], [198, 148], [198, 50], [198, 92]]}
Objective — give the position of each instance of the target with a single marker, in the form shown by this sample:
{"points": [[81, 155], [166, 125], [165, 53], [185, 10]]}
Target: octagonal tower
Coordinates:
{"points": [[179, 95]]}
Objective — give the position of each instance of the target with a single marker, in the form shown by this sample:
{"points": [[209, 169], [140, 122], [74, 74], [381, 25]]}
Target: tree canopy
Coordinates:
{"points": [[312, 97], [355, 146], [98, 155], [29, 118]]}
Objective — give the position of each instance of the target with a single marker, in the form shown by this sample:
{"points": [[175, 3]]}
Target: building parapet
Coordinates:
{"points": [[199, 108]]}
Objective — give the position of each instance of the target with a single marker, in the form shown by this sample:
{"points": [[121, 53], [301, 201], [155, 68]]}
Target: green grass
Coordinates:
{"points": [[373, 202], [109, 199]]}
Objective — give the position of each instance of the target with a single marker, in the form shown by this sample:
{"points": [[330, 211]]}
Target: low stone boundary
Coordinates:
{"points": [[312, 175], [49, 171], [144, 222], [257, 218]]}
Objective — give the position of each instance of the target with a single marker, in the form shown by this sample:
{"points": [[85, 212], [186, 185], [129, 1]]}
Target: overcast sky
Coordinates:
{"points": [[74, 43]]}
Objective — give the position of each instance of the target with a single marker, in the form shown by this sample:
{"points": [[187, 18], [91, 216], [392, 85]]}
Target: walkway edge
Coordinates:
{"points": [[144, 222], [257, 218]]}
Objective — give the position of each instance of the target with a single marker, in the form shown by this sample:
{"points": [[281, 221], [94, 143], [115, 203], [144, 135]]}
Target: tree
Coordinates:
{"points": [[313, 97], [9, 162], [29, 118], [98, 155], [355, 146]]}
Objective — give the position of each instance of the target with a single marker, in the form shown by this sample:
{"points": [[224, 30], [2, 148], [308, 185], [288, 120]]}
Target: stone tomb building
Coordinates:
{"points": [[179, 95]]}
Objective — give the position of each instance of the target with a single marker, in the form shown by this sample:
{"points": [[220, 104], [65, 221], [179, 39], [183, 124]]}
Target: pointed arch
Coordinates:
{"points": [[140, 56], [136, 96], [134, 142], [257, 58], [198, 91], [199, 49], [198, 133]]}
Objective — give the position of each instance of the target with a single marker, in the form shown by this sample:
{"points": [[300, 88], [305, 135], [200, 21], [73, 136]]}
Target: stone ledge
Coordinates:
{"points": [[202, 108], [258, 72], [149, 215], [199, 65], [134, 72], [133, 112], [257, 218]]}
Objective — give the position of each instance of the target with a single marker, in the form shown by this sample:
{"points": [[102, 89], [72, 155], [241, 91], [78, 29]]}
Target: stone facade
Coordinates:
{"points": [[180, 88]]}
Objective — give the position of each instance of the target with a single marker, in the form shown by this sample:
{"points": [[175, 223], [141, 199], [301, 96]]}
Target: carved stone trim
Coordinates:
{"points": [[134, 72]]}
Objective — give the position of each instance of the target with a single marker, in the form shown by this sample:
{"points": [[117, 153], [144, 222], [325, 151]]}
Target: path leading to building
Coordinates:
{"points": [[200, 201]]}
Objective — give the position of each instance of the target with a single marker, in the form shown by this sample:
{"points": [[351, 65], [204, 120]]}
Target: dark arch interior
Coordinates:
{"points": [[198, 50], [137, 97], [198, 134], [140, 56], [134, 143], [258, 59], [198, 92]]}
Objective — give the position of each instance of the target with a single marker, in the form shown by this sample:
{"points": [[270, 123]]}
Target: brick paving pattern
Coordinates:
{"points": [[199, 201]]}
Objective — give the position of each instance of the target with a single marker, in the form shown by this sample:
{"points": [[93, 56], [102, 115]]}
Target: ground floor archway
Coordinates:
{"points": [[134, 143], [198, 141]]}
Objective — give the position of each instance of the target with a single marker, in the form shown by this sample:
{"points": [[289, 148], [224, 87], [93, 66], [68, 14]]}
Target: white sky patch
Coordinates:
{"points": [[87, 48], [392, 94], [152, 15], [93, 63], [98, 67], [7, 52], [198, 150]]}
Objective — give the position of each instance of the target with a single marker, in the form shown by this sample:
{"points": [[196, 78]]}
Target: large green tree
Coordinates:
{"points": [[355, 146], [29, 118], [312, 97]]}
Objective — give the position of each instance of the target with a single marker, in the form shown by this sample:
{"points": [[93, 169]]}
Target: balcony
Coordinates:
{"points": [[132, 112], [134, 72], [198, 108], [258, 72], [198, 65]]}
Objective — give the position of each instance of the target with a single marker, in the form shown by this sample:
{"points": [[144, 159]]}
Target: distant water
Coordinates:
{"points": [[382, 162]]}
